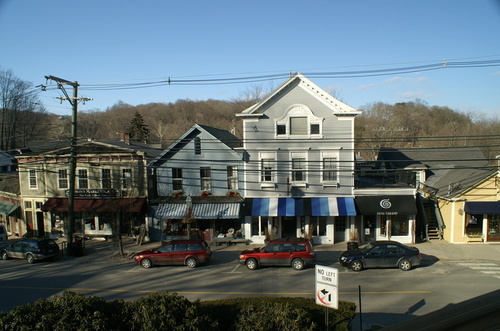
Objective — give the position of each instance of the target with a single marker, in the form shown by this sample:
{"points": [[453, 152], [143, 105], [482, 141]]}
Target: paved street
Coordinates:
{"points": [[450, 273]]}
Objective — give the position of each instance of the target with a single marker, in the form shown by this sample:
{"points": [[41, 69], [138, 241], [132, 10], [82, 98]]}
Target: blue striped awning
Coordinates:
{"points": [[300, 207], [227, 210]]}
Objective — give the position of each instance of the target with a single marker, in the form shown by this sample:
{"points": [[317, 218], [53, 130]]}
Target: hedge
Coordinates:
{"points": [[166, 311]]}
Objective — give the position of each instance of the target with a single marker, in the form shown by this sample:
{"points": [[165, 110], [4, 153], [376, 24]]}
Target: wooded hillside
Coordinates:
{"points": [[402, 125]]}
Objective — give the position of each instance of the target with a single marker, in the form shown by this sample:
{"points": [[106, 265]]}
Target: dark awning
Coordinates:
{"points": [[221, 210], [482, 207], [300, 207], [387, 205], [130, 205]]}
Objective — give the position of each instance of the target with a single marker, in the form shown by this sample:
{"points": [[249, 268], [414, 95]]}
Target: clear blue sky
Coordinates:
{"points": [[122, 41]]}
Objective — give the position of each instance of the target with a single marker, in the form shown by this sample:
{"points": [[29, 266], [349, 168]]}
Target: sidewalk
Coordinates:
{"points": [[436, 250]]}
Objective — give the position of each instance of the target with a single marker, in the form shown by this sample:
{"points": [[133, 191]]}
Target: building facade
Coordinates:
{"points": [[198, 181], [298, 173], [110, 188]]}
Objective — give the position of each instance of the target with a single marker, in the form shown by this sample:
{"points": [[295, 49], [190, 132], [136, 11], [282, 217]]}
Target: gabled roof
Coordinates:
{"points": [[337, 106], [227, 140], [451, 171], [90, 147]]}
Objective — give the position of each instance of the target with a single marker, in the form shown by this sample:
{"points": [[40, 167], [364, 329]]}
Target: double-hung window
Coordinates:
{"points": [[126, 178], [177, 179], [106, 178], [232, 178], [33, 181], [83, 178], [63, 178], [299, 169], [329, 169], [267, 170], [205, 176]]}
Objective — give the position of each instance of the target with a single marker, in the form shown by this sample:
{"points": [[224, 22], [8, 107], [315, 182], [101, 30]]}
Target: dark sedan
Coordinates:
{"points": [[381, 254]]}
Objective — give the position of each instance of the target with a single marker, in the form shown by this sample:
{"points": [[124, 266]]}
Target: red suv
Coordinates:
{"points": [[176, 252], [296, 253]]}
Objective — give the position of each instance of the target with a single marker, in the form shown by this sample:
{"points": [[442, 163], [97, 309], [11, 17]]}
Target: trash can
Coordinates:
{"points": [[352, 245], [77, 246]]}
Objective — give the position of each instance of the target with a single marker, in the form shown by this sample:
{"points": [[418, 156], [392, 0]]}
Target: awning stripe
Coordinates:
{"points": [[228, 210], [301, 206]]}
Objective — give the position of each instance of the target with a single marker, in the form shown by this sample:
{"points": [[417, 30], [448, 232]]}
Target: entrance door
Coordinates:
{"points": [[493, 233], [39, 224], [289, 227]]}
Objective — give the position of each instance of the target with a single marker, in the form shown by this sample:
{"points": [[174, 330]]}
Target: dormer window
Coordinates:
{"points": [[299, 121]]}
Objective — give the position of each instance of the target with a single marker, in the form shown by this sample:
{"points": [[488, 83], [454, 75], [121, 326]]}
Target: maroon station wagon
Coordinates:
{"points": [[176, 252]]}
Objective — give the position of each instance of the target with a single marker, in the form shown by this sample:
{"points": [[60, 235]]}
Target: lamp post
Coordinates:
{"points": [[189, 213]]}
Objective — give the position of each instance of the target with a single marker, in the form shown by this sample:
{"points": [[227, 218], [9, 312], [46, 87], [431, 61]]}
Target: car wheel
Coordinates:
{"points": [[298, 264], [356, 265], [5, 256], [405, 264], [251, 264], [192, 262], [30, 258], [146, 263]]}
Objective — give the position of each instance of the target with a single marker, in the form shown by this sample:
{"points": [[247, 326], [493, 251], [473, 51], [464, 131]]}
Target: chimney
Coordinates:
{"points": [[125, 137]]}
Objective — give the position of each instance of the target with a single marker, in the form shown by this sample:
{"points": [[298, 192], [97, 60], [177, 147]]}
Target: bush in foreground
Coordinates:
{"points": [[166, 311]]}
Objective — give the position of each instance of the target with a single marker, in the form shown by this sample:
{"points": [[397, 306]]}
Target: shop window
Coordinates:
{"points": [[177, 179], [259, 226], [474, 224], [399, 226], [106, 178], [83, 179], [63, 178], [32, 177], [340, 223], [322, 226]]}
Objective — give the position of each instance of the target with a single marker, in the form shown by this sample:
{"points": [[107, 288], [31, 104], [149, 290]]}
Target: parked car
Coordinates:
{"points": [[31, 249], [381, 254], [3, 236], [296, 253], [176, 252]]}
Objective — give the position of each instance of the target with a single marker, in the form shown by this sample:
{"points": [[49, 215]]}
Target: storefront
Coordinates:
{"points": [[324, 220], [482, 221], [391, 217], [94, 217], [203, 218]]}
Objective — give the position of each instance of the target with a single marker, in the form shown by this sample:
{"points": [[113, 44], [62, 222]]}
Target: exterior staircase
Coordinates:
{"points": [[431, 217]]}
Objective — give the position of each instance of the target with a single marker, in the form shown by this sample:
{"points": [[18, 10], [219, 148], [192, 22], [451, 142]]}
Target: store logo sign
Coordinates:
{"points": [[385, 203]]}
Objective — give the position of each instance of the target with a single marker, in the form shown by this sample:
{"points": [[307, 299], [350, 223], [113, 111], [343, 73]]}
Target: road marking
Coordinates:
{"points": [[201, 292], [467, 264]]}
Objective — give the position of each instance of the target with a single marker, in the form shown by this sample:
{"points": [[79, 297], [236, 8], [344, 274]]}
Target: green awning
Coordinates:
{"points": [[7, 208]]}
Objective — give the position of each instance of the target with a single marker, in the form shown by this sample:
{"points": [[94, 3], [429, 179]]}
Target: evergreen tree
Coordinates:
{"points": [[137, 129]]}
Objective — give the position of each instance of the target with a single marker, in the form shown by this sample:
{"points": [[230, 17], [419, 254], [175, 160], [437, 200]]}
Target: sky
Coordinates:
{"points": [[102, 43]]}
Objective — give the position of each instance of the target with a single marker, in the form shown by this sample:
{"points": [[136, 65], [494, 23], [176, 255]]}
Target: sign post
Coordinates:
{"points": [[327, 282]]}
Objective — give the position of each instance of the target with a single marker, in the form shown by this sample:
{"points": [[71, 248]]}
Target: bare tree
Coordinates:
{"points": [[19, 106]]}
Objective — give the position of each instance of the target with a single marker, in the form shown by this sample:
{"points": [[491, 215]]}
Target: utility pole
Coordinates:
{"points": [[70, 229]]}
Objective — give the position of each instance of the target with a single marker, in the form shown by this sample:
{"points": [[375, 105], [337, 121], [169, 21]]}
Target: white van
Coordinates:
{"points": [[3, 236]]}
